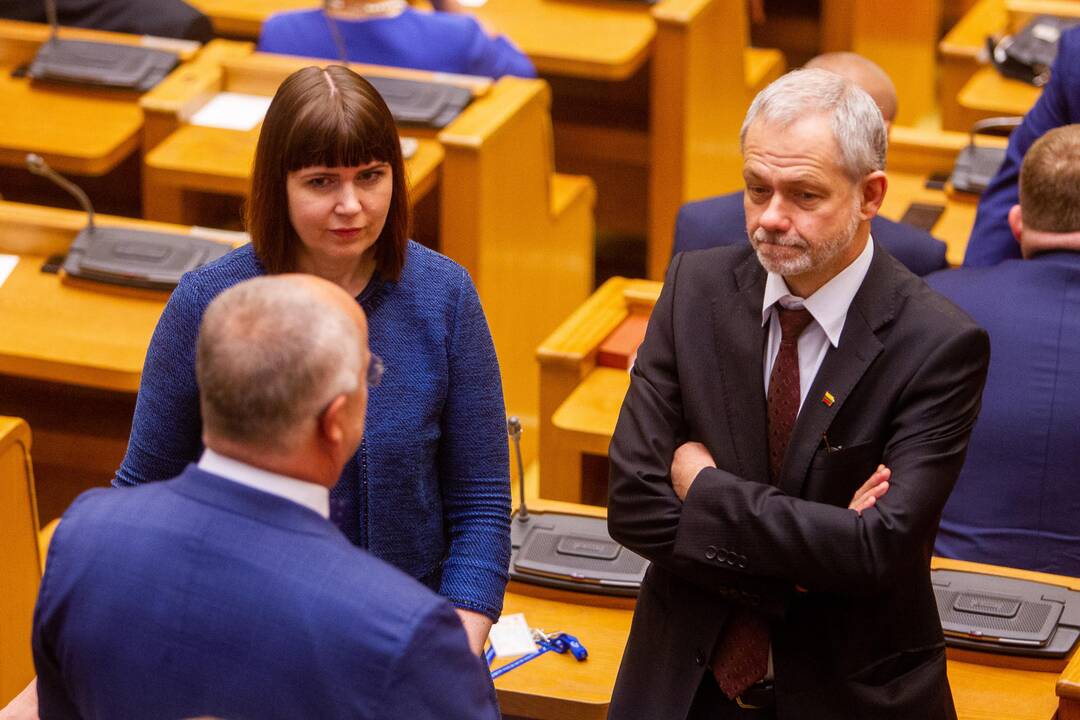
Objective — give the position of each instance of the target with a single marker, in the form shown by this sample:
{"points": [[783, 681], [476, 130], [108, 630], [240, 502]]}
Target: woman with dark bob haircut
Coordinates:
{"points": [[428, 490]]}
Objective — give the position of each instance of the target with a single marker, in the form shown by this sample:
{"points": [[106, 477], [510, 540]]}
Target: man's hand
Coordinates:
{"points": [[690, 459], [871, 491], [477, 627], [23, 706]]}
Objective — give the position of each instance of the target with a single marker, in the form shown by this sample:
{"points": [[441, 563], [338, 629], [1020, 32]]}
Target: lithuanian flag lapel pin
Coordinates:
{"points": [[828, 398]]}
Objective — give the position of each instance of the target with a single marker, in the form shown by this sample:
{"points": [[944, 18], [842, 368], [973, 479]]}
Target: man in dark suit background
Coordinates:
{"points": [[226, 591], [774, 379], [1016, 502], [164, 18], [720, 220]]}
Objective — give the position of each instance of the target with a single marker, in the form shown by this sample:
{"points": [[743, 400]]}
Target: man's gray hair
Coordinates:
{"points": [[856, 120], [272, 353]]}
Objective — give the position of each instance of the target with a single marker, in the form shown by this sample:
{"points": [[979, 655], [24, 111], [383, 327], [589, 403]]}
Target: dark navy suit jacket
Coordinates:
{"points": [[201, 596], [991, 239], [721, 220], [1016, 502]]}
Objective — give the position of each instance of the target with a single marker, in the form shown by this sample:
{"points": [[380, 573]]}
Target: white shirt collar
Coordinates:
{"points": [[829, 305], [312, 496]]}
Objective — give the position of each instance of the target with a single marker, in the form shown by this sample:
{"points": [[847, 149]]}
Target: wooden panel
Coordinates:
{"points": [[960, 52], [20, 564]]}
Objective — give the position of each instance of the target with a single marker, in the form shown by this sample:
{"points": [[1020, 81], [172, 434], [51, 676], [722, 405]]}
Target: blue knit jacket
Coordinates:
{"points": [[432, 473]]}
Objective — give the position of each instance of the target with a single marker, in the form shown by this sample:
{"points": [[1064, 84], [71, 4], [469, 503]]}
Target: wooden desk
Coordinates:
{"points": [[76, 130], [524, 232], [962, 53], [70, 358], [654, 96], [556, 686], [988, 94]]}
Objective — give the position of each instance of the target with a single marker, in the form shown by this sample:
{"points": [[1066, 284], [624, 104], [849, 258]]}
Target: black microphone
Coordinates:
{"points": [[53, 19], [126, 256], [513, 428]]}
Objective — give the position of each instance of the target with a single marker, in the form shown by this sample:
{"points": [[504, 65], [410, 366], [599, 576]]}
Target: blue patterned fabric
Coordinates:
{"points": [[440, 42], [200, 596], [431, 479]]}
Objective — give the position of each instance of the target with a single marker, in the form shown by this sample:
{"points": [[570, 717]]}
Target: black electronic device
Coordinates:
{"points": [[922, 215], [423, 104], [125, 256], [1029, 54], [1006, 615], [413, 103], [565, 551], [98, 64], [977, 164]]}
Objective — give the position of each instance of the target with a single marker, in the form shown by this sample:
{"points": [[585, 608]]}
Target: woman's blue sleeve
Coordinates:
{"points": [[166, 432], [474, 464]]}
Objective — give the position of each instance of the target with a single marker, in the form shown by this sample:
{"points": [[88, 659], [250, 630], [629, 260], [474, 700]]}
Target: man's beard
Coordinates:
{"points": [[810, 257]]}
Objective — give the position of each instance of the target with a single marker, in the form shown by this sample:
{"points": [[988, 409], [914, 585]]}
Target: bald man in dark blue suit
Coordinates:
{"points": [[720, 220], [226, 591]]}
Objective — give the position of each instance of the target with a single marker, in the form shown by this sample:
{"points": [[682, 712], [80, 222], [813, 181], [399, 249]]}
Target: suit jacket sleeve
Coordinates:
{"points": [[991, 239], [643, 510], [436, 676]]}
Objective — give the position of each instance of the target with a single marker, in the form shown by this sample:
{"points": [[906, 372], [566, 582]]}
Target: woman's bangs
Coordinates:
{"points": [[330, 136]]}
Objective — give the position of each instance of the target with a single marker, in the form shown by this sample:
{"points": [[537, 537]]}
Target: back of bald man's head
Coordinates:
{"points": [[866, 74], [272, 353]]}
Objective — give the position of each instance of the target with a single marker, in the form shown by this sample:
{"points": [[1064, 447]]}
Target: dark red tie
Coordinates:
{"points": [[741, 656]]}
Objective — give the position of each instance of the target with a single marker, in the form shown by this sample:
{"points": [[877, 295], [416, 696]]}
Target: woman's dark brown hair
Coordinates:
{"points": [[330, 117]]}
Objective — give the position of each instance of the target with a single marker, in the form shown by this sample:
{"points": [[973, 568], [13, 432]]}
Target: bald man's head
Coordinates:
{"points": [[864, 73], [272, 353]]}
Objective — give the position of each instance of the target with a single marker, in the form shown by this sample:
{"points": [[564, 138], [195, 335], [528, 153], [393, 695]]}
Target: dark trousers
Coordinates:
{"points": [[711, 704]]}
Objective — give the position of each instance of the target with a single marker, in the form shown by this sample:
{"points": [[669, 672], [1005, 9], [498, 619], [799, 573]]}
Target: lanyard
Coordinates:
{"points": [[547, 642]]}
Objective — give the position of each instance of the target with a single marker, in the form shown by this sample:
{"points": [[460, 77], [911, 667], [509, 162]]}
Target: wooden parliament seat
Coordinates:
{"points": [[20, 562], [900, 37], [77, 130], [70, 357], [962, 53], [524, 232], [648, 98]]}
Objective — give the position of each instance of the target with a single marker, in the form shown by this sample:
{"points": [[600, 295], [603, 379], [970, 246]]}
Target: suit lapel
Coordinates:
{"points": [[873, 306], [739, 339]]}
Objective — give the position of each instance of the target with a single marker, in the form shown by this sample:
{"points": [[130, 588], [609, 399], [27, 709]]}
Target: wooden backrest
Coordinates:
{"points": [[20, 563]]}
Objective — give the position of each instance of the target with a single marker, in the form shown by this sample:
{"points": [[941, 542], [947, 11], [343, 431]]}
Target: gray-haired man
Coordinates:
{"points": [[773, 381]]}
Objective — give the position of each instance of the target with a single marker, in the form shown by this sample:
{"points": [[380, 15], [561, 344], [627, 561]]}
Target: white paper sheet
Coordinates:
{"points": [[7, 264], [232, 111], [511, 636]]}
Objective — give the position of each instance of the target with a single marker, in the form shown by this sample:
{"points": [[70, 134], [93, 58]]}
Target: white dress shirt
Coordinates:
{"points": [[312, 496], [828, 306]]}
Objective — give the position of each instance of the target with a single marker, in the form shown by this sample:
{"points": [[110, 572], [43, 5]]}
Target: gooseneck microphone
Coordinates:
{"points": [[513, 429], [52, 18], [37, 165]]}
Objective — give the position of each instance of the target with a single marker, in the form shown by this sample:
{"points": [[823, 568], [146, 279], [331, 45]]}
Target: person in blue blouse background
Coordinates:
{"points": [[428, 490], [389, 32]]}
